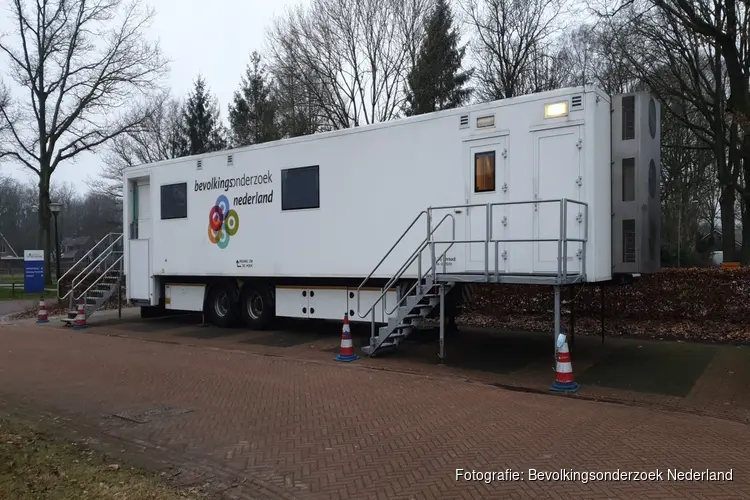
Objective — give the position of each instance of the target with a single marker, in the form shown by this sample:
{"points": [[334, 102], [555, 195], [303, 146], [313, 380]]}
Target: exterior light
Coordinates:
{"points": [[556, 109]]}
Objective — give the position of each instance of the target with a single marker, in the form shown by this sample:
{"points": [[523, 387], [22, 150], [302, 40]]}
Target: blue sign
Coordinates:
{"points": [[33, 271]]}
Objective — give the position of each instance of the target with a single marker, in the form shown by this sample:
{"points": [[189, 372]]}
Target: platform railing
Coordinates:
{"points": [[562, 240]]}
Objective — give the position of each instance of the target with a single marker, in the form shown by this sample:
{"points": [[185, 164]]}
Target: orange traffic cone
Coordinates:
{"points": [[41, 316], [564, 370], [346, 352], [80, 321]]}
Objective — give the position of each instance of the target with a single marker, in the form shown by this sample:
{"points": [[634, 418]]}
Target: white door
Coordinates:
{"points": [[138, 279], [487, 183], [144, 210], [557, 168]]}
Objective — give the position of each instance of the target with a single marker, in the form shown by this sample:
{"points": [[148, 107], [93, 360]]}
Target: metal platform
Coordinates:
{"points": [[510, 279]]}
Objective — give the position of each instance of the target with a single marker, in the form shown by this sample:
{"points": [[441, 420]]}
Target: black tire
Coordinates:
{"points": [[257, 307], [221, 307]]}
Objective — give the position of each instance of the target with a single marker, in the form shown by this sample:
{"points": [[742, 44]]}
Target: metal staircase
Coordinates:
{"points": [[94, 279], [417, 302], [429, 289]]}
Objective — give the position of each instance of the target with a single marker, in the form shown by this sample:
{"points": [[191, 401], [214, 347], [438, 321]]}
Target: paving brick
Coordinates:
{"points": [[300, 429]]}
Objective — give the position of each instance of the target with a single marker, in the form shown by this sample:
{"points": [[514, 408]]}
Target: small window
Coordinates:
{"points": [[628, 240], [174, 201], [484, 172], [628, 117], [628, 179], [300, 188]]}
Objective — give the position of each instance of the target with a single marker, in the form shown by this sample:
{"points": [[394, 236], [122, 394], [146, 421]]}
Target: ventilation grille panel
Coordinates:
{"points": [[576, 102], [464, 122], [628, 241], [230, 160], [199, 165]]}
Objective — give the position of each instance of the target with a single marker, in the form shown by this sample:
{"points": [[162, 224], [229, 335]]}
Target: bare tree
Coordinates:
{"points": [[150, 141], [80, 62], [688, 74], [351, 56], [510, 39], [589, 55]]}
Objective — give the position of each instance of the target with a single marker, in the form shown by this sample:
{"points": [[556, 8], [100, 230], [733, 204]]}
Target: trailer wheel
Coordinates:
{"points": [[220, 306], [257, 307]]}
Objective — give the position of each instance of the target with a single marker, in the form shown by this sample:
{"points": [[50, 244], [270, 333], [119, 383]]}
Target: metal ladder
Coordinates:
{"points": [[94, 278], [424, 295]]}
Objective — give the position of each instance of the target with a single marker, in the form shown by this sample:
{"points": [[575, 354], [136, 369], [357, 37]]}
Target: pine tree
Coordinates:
{"points": [[252, 115], [202, 128], [436, 81]]}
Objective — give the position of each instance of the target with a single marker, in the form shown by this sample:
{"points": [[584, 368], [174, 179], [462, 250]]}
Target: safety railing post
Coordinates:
{"points": [[488, 230], [559, 241], [565, 239], [430, 241]]}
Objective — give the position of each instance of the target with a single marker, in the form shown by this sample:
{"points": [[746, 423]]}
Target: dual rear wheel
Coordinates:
{"points": [[253, 305]]}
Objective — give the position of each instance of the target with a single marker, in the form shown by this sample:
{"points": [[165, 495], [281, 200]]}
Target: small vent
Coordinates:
{"points": [[628, 240], [200, 164], [576, 102], [230, 160], [464, 121]]}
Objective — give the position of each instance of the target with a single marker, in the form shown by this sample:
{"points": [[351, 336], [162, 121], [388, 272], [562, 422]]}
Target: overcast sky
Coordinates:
{"points": [[214, 38]]}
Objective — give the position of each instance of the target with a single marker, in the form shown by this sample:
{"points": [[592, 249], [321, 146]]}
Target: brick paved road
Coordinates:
{"points": [[303, 429]]}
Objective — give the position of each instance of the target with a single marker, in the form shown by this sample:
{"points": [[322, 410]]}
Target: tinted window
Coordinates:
{"points": [[484, 172], [300, 188], [174, 201]]}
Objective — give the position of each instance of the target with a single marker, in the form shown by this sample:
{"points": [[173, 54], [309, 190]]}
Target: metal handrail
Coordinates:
{"points": [[410, 261], [77, 280], [416, 254], [83, 294], [403, 268], [561, 240], [103, 255], [420, 248], [59, 279], [359, 288]]}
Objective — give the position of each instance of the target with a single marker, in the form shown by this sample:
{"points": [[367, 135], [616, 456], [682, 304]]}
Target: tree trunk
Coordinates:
{"points": [[745, 253], [44, 225], [745, 205], [726, 202]]}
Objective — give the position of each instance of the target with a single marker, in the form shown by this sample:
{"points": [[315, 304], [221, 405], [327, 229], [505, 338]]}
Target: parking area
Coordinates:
{"points": [[702, 378], [270, 415]]}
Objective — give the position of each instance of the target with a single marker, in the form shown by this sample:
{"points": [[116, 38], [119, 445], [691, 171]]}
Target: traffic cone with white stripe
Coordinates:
{"points": [[41, 316], [346, 352], [564, 370], [80, 321]]}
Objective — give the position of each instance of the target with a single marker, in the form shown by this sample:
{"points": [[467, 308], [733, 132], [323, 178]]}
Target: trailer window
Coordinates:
{"points": [[174, 201], [300, 188], [484, 172]]}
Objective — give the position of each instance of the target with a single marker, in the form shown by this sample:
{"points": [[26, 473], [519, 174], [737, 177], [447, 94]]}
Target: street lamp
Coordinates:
{"points": [[55, 209]]}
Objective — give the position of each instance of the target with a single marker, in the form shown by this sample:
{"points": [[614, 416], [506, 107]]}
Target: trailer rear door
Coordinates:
{"points": [[557, 161], [487, 182]]}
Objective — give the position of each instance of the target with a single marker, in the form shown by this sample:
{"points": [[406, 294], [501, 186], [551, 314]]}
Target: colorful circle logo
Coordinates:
{"points": [[223, 222]]}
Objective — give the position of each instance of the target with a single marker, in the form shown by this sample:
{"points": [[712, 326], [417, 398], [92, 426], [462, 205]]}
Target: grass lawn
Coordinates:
{"points": [[8, 293], [35, 465]]}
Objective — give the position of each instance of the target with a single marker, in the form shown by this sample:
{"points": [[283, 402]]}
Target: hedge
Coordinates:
{"points": [[694, 294]]}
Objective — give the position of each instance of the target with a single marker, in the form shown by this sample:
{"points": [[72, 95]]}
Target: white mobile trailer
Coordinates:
{"points": [[298, 224]]}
